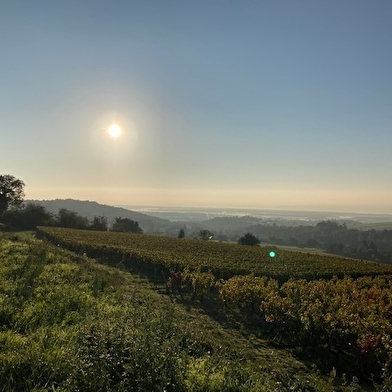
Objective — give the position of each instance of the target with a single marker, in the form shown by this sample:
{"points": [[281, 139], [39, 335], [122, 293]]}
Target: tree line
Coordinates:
{"points": [[333, 237], [329, 236], [30, 215], [14, 213]]}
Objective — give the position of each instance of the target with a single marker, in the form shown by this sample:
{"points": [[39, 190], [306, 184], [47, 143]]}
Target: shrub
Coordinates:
{"points": [[249, 239]]}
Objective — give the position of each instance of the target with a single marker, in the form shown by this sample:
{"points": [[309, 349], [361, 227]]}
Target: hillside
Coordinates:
{"points": [[227, 225], [114, 331], [340, 322], [366, 241], [90, 209]]}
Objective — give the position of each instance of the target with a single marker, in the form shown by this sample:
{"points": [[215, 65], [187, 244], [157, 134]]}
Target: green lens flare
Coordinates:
{"points": [[272, 254]]}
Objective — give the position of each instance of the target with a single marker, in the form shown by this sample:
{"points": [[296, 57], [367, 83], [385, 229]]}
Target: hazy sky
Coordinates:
{"points": [[263, 104]]}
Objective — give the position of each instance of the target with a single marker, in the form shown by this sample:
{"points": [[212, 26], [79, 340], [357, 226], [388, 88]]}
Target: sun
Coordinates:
{"points": [[114, 131]]}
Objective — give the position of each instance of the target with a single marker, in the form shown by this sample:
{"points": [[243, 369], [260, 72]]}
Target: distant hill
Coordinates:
{"points": [[229, 225], [90, 209]]}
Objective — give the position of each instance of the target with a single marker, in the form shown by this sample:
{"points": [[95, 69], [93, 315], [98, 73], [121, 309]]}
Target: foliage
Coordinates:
{"points": [[351, 318], [153, 253], [70, 219], [216, 375], [132, 348], [201, 283], [249, 239], [99, 223], [343, 322], [28, 216], [11, 192], [126, 225], [248, 292], [205, 235], [92, 338], [70, 324], [332, 237]]}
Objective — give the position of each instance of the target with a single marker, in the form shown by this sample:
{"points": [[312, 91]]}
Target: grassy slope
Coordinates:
{"points": [[51, 299]]}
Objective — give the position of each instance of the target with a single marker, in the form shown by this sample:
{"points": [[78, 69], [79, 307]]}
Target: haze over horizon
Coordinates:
{"points": [[246, 104]]}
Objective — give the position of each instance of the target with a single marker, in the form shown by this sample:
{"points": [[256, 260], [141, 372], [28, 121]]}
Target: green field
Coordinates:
{"points": [[69, 322], [223, 259]]}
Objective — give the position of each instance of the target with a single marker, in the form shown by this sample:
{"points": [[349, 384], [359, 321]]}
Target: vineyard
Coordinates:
{"points": [[335, 310], [347, 322], [69, 323], [224, 260]]}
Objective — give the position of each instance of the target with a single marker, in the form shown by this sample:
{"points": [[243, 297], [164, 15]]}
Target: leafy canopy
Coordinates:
{"points": [[249, 239], [11, 192], [126, 225]]}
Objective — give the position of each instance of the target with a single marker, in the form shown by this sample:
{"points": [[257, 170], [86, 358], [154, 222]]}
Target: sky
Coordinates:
{"points": [[271, 104]]}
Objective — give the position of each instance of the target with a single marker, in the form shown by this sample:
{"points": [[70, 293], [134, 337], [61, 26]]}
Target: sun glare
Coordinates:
{"points": [[114, 131]]}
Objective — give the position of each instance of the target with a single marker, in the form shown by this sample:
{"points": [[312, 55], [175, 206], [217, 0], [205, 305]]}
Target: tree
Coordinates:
{"points": [[205, 235], [126, 225], [11, 192], [29, 216], [100, 223], [181, 233], [70, 219], [249, 239]]}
